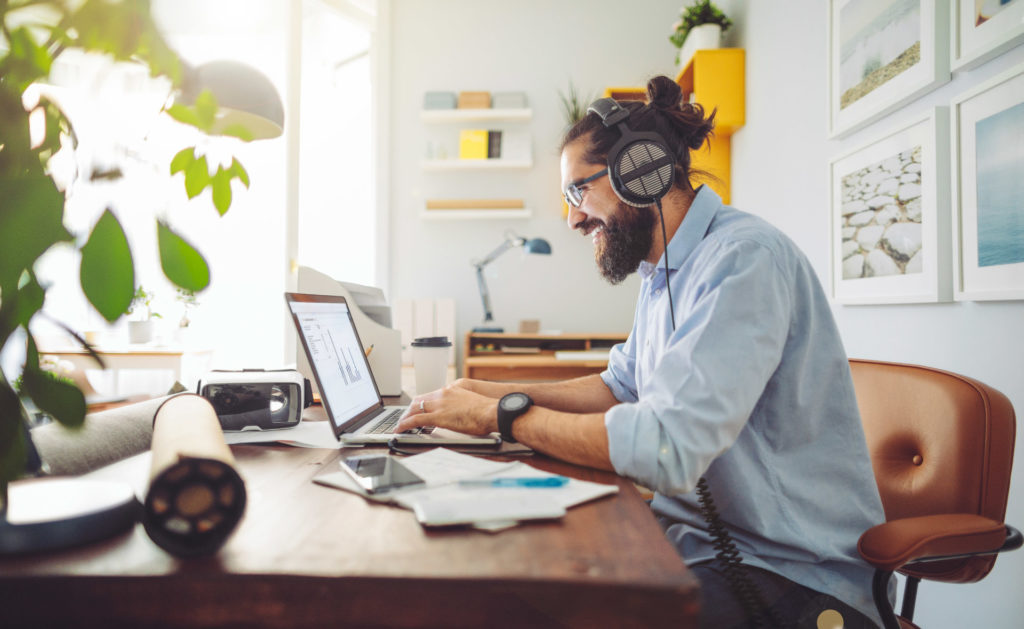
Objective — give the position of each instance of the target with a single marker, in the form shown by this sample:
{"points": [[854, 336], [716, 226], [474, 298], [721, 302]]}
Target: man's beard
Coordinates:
{"points": [[625, 242]]}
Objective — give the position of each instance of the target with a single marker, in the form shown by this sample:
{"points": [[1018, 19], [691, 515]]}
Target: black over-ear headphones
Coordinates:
{"points": [[640, 166]]}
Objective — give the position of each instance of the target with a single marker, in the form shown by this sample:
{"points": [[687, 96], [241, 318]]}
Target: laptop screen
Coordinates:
{"points": [[336, 355]]}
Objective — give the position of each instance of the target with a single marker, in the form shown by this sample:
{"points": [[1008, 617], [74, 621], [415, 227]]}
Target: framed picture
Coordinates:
{"points": [[988, 189], [889, 227], [882, 54], [982, 29]]}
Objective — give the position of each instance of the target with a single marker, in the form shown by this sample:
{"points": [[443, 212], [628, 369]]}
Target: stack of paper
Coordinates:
{"points": [[443, 501]]}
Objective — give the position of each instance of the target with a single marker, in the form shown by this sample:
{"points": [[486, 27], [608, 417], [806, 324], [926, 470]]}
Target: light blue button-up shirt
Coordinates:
{"points": [[752, 390]]}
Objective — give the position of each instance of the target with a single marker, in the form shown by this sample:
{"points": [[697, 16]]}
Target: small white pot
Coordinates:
{"points": [[700, 37], [140, 331]]}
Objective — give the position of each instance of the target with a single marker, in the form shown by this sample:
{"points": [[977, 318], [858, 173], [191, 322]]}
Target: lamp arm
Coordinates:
{"points": [[513, 241], [485, 297]]}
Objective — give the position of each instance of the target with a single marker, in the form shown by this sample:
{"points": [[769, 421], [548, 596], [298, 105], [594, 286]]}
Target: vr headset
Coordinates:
{"points": [[256, 399]]}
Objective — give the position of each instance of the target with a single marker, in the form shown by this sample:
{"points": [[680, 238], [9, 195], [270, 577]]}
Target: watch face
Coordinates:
{"points": [[514, 401]]}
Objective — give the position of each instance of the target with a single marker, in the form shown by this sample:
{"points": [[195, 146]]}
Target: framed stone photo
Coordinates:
{"points": [[988, 189], [890, 231], [881, 55], [982, 29]]}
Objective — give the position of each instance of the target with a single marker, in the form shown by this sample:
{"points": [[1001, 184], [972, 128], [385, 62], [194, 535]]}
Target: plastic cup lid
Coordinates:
{"points": [[432, 341]]}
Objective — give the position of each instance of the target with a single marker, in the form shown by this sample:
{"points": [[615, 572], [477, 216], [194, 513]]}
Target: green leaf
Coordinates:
{"points": [[182, 159], [18, 307], [59, 399], [107, 272], [239, 171], [197, 177], [183, 114], [12, 435], [31, 221], [221, 188], [182, 264], [206, 110]]}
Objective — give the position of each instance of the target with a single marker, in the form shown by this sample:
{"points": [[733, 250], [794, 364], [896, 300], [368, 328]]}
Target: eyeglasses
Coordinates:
{"points": [[574, 195]]}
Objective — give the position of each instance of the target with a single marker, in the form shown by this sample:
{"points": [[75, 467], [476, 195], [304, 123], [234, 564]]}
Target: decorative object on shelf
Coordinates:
{"points": [[187, 299], [508, 100], [700, 27], [889, 222], [882, 55], [140, 329], [532, 245], [439, 100], [474, 204], [474, 100], [981, 31], [473, 144], [988, 155]]}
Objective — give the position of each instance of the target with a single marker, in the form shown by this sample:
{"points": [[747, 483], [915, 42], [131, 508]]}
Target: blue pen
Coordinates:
{"points": [[536, 482]]}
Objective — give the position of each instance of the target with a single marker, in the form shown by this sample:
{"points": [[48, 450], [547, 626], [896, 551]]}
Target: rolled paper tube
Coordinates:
{"points": [[196, 496]]}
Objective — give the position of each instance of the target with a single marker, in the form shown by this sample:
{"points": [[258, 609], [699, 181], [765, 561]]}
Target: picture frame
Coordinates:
{"points": [[881, 55], [987, 124], [979, 33], [889, 223]]}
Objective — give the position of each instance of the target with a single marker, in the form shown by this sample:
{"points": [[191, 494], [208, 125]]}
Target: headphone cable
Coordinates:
{"points": [[746, 591]]}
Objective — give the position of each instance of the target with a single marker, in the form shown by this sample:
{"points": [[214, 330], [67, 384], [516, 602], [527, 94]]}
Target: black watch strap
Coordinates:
{"points": [[510, 408]]}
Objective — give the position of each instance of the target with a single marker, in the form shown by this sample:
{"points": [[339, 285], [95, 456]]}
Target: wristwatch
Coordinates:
{"points": [[510, 408]]}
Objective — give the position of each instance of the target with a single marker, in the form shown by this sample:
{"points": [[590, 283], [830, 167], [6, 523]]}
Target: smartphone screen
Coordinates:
{"points": [[378, 473]]}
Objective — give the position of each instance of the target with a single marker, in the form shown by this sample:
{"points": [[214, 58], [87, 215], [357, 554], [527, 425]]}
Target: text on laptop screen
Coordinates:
{"points": [[345, 381]]}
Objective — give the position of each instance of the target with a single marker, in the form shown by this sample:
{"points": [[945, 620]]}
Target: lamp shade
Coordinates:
{"points": [[244, 97], [537, 245]]}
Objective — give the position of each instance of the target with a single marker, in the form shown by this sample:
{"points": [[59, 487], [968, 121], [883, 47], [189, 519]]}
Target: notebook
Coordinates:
{"points": [[348, 391]]}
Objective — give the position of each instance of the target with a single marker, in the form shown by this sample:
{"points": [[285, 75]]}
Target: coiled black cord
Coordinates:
{"points": [[746, 591]]}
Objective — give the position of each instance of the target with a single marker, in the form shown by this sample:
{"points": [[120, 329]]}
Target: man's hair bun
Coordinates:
{"points": [[664, 93]]}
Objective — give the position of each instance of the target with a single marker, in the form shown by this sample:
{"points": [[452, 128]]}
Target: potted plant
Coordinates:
{"points": [[140, 328], [700, 26], [32, 214]]}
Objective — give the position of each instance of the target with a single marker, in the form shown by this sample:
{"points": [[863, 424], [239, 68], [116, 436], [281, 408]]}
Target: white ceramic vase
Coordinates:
{"points": [[140, 331], [699, 38]]}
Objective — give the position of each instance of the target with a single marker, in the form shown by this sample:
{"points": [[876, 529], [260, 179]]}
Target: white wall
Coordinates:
{"points": [[534, 46], [780, 171]]}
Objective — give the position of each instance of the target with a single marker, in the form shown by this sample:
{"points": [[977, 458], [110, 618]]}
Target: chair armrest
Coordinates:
{"points": [[893, 544]]}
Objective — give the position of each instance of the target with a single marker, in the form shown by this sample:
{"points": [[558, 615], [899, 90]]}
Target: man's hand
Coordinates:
{"points": [[454, 407]]}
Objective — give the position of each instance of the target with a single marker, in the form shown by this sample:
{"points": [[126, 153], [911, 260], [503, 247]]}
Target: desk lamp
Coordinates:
{"points": [[532, 245]]}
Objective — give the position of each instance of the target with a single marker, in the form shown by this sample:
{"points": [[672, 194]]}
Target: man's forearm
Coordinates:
{"points": [[576, 438], [588, 394]]}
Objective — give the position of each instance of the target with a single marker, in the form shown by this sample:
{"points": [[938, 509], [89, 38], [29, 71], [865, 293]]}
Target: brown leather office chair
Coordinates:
{"points": [[942, 448]]}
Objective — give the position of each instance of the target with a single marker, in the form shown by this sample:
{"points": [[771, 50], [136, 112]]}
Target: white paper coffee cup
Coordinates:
{"points": [[430, 359]]}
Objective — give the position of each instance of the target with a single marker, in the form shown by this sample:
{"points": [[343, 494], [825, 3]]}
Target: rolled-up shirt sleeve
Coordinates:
{"points": [[733, 315]]}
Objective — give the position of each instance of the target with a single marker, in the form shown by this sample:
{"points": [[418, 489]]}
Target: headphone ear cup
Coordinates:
{"points": [[641, 169]]}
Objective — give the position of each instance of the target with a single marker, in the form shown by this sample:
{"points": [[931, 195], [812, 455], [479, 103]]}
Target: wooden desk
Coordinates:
{"points": [[534, 357], [311, 556]]}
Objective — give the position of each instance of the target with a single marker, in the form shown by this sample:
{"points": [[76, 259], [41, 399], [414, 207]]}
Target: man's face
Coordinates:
{"points": [[621, 233]]}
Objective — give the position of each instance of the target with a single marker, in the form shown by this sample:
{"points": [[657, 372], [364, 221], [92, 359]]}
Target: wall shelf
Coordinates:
{"points": [[475, 214], [476, 164], [442, 116]]}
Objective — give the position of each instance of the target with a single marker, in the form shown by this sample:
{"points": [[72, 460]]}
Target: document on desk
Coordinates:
{"points": [[444, 501]]}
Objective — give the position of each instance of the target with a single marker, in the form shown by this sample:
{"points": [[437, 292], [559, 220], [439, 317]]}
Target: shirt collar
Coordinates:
{"points": [[690, 232]]}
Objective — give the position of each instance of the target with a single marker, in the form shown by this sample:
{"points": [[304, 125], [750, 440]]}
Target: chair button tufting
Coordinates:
{"points": [[917, 459]]}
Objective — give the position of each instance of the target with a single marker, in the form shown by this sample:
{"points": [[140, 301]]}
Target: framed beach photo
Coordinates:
{"points": [[983, 29], [988, 189], [881, 55], [889, 216]]}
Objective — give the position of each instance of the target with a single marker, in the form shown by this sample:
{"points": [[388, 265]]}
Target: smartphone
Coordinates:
{"points": [[378, 473]]}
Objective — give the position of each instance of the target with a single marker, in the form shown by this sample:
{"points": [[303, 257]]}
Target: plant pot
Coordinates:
{"points": [[140, 331], [700, 37]]}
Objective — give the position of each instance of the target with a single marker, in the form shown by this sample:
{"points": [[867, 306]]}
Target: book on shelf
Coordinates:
{"points": [[475, 204], [493, 144], [473, 144], [474, 100]]}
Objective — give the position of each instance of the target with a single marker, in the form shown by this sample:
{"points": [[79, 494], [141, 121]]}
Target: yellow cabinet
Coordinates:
{"points": [[715, 79]]}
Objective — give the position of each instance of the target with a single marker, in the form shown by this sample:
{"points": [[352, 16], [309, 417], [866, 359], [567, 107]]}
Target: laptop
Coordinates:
{"points": [[348, 390]]}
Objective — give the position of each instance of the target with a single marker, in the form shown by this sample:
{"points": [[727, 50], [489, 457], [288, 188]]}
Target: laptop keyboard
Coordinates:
{"points": [[387, 425]]}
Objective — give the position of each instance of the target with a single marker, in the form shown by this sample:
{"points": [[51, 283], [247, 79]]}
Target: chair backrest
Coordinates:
{"points": [[939, 443]]}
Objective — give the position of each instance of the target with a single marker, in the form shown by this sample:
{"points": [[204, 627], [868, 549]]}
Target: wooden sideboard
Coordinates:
{"points": [[535, 357]]}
